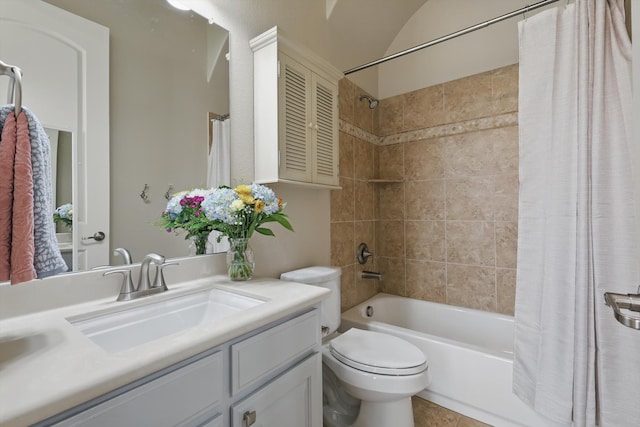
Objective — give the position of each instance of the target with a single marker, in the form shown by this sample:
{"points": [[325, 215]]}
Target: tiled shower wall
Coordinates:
{"points": [[444, 228]]}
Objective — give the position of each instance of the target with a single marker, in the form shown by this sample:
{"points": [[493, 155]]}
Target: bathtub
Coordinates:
{"points": [[469, 352]]}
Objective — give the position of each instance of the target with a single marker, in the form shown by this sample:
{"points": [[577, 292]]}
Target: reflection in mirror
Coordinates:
{"points": [[62, 186], [167, 71]]}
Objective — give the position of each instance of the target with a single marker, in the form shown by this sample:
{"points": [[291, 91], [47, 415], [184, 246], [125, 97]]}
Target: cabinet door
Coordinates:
{"points": [[325, 131], [183, 397], [293, 399], [295, 124]]}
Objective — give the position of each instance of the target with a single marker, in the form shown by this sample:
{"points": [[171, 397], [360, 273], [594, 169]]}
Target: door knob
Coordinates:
{"points": [[98, 236]]}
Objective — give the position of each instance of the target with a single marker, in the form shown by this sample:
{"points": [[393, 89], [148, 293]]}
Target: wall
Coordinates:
{"points": [[445, 227]]}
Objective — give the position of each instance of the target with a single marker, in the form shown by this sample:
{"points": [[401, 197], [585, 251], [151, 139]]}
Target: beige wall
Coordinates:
{"points": [[447, 230]]}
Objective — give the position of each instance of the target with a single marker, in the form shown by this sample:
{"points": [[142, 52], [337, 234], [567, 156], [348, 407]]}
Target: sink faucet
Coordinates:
{"points": [[144, 284], [124, 253], [128, 291]]}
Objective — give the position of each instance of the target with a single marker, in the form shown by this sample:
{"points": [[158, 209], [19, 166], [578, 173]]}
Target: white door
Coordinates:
{"points": [[65, 64]]}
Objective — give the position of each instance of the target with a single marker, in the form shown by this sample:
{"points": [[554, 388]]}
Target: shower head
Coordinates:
{"points": [[373, 103]]}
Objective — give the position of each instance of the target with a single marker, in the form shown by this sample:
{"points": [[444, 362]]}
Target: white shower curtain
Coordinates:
{"points": [[219, 170], [573, 361]]}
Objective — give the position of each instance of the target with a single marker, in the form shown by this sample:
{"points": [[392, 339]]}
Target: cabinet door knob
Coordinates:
{"points": [[249, 418]]}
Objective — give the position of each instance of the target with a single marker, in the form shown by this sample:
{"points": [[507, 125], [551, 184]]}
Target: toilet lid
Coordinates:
{"points": [[378, 353]]}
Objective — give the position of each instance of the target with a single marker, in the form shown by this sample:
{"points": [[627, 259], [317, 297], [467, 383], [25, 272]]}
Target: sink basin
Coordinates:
{"points": [[125, 329]]}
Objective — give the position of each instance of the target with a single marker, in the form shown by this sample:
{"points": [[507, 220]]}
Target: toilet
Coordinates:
{"points": [[368, 377]]}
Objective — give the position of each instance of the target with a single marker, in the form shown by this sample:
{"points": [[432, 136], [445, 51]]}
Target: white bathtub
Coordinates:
{"points": [[470, 354]]}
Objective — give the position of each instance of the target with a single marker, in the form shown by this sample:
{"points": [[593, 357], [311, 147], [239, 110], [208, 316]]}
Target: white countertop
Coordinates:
{"points": [[47, 365]]}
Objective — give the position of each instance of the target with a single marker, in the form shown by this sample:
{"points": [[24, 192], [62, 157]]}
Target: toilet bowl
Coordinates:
{"points": [[368, 377]]}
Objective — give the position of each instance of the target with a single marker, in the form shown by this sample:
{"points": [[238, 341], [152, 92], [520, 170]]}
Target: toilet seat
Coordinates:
{"points": [[378, 353]]}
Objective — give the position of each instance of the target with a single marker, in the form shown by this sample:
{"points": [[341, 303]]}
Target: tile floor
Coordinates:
{"points": [[428, 414]]}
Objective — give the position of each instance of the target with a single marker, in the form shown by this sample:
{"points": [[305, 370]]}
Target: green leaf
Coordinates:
{"points": [[265, 231]]}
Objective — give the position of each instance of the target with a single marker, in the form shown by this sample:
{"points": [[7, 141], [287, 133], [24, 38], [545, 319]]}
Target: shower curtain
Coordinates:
{"points": [[219, 170], [577, 237]]}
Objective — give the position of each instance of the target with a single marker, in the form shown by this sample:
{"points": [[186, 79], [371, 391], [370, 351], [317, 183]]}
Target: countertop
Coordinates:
{"points": [[47, 365]]}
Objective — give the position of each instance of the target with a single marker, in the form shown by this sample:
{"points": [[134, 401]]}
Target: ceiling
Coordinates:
{"points": [[369, 26]]}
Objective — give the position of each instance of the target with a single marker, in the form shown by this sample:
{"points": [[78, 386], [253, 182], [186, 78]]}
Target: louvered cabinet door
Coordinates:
{"points": [[325, 131], [295, 119]]}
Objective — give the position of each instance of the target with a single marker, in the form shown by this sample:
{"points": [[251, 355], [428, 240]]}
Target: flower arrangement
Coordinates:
{"points": [[64, 214], [236, 213]]}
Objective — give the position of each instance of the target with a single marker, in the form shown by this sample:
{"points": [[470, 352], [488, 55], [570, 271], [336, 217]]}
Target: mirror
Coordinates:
{"points": [[168, 71]]}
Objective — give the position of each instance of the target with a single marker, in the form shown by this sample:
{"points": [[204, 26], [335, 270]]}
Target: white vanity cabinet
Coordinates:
{"points": [[295, 113], [268, 377]]}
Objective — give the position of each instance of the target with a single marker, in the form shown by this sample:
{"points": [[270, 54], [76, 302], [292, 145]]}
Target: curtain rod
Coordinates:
{"points": [[450, 36]]}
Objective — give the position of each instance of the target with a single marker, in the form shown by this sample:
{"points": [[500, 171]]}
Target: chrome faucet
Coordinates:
{"points": [[124, 253], [144, 284], [145, 287]]}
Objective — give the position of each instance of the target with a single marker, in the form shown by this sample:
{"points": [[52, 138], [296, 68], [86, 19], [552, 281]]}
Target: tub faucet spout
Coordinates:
{"points": [[371, 275]]}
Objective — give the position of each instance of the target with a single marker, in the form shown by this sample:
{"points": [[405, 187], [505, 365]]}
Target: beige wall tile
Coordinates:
{"points": [[427, 280], [471, 286], [364, 159], [342, 243], [506, 290], [469, 98], [424, 159], [469, 154], [506, 198], [343, 201], [346, 100], [505, 145], [506, 244], [425, 199], [390, 164], [365, 201], [424, 108], [348, 290], [393, 275], [505, 89], [365, 232], [346, 166], [425, 240], [391, 201], [471, 242], [470, 198], [390, 238], [390, 112]]}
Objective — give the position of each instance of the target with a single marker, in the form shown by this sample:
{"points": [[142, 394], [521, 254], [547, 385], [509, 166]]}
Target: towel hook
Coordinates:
{"points": [[144, 195], [167, 195]]}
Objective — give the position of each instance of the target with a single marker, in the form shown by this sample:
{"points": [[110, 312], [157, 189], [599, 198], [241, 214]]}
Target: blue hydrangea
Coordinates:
{"points": [[267, 196], [65, 211], [217, 205], [174, 208]]}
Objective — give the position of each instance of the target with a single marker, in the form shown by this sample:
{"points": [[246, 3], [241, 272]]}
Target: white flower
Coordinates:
{"points": [[237, 205]]}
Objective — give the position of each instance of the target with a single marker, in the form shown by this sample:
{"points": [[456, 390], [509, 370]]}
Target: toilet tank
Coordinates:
{"points": [[326, 277]]}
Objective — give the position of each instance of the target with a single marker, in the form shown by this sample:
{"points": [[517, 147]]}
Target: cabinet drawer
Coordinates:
{"points": [[255, 358], [177, 398]]}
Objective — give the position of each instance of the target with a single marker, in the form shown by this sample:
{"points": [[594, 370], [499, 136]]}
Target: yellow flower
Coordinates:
{"points": [[243, 189], [247, 198], [259, 206]]}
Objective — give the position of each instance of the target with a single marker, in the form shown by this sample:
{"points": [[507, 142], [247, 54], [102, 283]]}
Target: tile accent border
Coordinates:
{"points": [[499, 121]]}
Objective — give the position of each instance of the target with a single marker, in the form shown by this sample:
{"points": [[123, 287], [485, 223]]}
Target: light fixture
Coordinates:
{"points": [[178, 4]]}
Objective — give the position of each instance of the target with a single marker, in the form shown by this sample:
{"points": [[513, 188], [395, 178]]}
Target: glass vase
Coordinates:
{"points": [[200, 245], [240, 261]]}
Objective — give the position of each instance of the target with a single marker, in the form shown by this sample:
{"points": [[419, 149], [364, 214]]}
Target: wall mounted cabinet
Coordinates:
{"points": [[295, 113]]}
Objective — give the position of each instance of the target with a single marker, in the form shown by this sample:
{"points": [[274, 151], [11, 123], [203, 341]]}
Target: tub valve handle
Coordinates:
{"points": [[363, 253]]}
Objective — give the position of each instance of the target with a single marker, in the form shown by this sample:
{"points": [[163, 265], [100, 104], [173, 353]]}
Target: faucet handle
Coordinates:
{"points": [[159, 281], [127, 288]]}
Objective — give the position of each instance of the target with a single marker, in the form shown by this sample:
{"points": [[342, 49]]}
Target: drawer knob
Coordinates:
{"points": [[249, 418]]}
